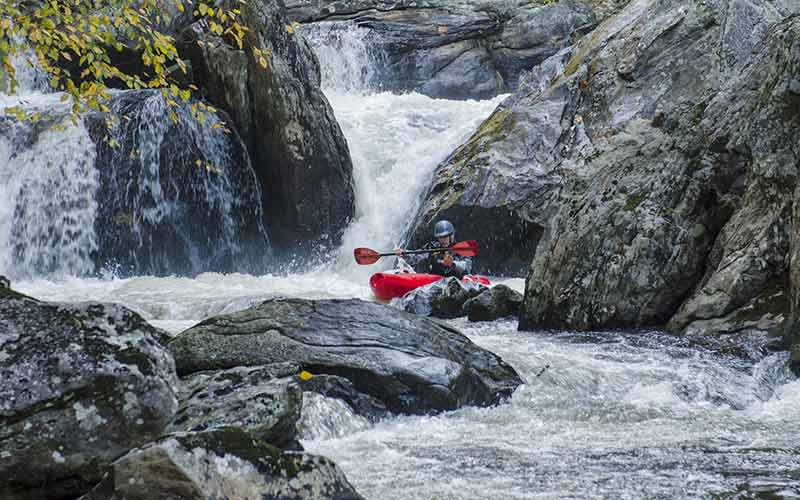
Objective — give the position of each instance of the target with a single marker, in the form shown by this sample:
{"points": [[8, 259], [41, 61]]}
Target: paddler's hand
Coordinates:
{"points": [[447, 260], [399, 252]]}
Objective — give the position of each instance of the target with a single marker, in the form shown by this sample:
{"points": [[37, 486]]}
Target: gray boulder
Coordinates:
{"points": [[295, 144], [221, 463], [497, 302], [462, 49], [647, 172], [264, 400], [442, 299], [409, 363], [80, 384]]}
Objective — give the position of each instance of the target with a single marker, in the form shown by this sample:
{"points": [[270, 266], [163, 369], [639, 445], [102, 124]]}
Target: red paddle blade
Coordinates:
{"points": [[366, 256], [467, 248]]}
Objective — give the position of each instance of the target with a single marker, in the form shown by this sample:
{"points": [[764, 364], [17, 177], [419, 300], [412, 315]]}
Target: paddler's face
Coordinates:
{"points": [[444, 241]]}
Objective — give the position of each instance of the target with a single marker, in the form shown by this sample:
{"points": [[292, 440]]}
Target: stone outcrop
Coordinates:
{"points": [[295, 144], [648, 172], [409, 363], [80, 384]]}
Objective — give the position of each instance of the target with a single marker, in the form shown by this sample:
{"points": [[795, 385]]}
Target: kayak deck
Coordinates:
{"points": [[388, 286]]}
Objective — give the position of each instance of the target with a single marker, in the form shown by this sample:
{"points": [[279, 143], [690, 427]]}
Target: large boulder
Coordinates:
{"points": [[264, 400], [296, 146], [462, 49], [80, 384], [411, 364], [221, 463], [648, 172]]}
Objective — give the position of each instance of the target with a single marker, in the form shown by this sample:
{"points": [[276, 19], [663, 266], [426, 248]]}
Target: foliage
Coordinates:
{"points": [[75, 42]]}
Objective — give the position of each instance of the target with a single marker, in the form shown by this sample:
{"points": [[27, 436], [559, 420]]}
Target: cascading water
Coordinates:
{"points": [[47, 183], [176, 197], [148, 197]]}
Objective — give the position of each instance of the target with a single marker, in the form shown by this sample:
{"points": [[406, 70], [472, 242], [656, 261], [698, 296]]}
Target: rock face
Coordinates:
{"points": [[264, 400], [462, 49], [222, 463], [80, 384], [176, 197], [296, 146], [442, 299], [648, 172], [497, 302], [410, 364]]}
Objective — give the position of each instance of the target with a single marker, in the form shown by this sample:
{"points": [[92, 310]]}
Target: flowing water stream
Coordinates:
{"points": [[616, 415]]}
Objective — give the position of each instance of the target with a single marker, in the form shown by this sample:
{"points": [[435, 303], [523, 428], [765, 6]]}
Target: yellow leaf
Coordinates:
{"points": [[262, 62], [64, 97], [180, 7], [173, 116], [290, 28], [203, 8], [305, 376]]}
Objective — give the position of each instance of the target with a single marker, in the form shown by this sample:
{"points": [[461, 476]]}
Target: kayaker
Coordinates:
{"points": [[445, 263]]}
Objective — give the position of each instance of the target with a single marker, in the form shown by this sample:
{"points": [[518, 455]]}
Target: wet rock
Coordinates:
{"points": [[641, 199], [332, 386], [5, 282], [296, 146], [497, 302], [411, 364], [442, 299], [165, 190], [264, 400], [80, 384], [221, 463], [462, 49]]}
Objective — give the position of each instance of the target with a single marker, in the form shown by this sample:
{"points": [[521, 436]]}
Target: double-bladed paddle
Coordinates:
{"points": [[366, 256]]}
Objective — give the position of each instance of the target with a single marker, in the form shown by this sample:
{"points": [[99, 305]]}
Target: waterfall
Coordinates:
{"points": [[148, 196], [175, 197], [47, 199], [349, 56]]}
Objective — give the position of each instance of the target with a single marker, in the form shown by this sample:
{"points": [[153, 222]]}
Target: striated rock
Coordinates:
{"points": [[463, 49], [80, 384], [264, 400], [410, 364], [442, 299], [497, 302], [647, 172], [222, 463], [298, 151]]}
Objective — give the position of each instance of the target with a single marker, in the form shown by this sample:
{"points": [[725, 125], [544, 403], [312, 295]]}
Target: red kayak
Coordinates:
{"points": [[387, 286]]}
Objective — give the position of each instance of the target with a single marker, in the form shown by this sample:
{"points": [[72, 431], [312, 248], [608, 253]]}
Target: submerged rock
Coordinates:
{"points": [[264, 400], [296, 146], [80, 384], [221, 463], [410, 364], [442, 299], [497, 302]]}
